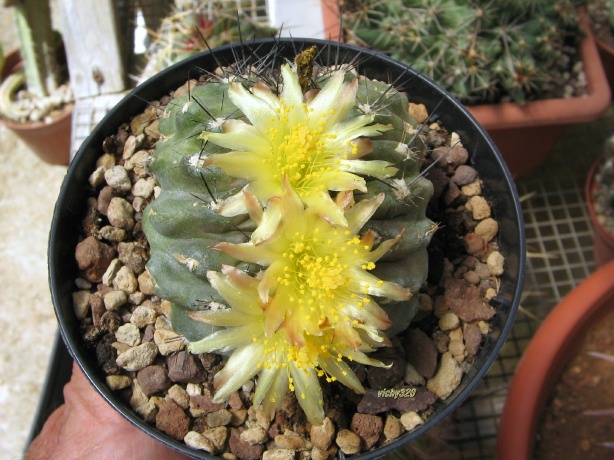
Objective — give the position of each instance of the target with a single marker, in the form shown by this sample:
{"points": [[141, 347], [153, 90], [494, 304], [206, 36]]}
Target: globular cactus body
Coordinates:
{"points": [[481, 51], [301, 268]]}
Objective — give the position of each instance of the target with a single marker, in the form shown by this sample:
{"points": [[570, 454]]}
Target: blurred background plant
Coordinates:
{"points": [[194, 26], [480, 50], [41, 87]]}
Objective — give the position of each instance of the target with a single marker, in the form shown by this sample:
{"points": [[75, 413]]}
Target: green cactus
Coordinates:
{"points": [[481, 51], [191, 29], [216, 228], [41, 50]]}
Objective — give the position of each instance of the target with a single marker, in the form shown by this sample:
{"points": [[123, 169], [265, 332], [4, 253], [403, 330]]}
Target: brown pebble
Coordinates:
{"points": [[368, 427], [466, 301], [153, 379], [421, 352], [94, 257], [242, 449], [184, 368], [173, 420]]}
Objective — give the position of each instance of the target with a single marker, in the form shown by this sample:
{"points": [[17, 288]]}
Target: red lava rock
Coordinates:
{"points": [[368, 427], [242, 449], [466, 301], [153, 379], [172, 419], [184, 368], [94, 257], [235, 401], [105, 196], [472, 337], [477, 246], [205, 403], [98, 308], [421, 352]]}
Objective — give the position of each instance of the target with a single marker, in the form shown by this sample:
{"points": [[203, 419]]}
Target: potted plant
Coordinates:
{"points": [[514, 64], [601, 16], [250, 216], [551, 349], [598, 195], [191, 29], [35, 97]]}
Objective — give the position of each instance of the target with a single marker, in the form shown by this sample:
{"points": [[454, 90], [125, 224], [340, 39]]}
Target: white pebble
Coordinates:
{"points": [[495, 262], [129, 334], [448, 321], [142, 316], [447, 378], [195, 440], [125, 280], [117, 177], [114, 299], [479, 207], [138, 357], [81, 303], [411, 420]]}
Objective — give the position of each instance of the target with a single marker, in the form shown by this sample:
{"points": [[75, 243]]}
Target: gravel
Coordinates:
{"points": [[127, 326]]}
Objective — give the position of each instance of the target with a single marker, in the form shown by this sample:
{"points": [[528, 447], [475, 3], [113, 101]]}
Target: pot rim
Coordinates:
{"points": [[588, 189], [544, 359], [503, 194]]}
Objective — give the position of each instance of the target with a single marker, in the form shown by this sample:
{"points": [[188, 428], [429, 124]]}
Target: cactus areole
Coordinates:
{"points": [[288, 230], [289, 192]]}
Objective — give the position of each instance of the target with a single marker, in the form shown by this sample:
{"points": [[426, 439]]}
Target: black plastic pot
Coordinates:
{"points": [[499, 190]]}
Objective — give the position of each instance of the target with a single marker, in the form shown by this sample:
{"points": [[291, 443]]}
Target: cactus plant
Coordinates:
{"points": [[481, 51], [41, 51], [194, 26], [290, 226]]}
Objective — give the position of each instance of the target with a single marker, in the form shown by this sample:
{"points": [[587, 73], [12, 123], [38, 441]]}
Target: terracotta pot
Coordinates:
{"points": [[603, 239], [49, 141], [544, 359], [526, 133], [606, 53], [498, 189]]}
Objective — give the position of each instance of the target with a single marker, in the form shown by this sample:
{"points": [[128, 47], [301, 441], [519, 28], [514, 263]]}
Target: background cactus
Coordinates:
{"points": [[44, 71], [481, 51], [183, 223], [219, 22]]}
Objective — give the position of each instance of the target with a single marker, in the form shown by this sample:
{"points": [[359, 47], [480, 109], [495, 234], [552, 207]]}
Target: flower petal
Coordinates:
{"points": [[341, 371], [256, 109], [241, 366], [225, 340], [308, 393]]}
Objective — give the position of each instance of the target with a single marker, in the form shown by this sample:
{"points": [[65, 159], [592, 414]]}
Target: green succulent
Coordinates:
{"points": [[480, 50]]}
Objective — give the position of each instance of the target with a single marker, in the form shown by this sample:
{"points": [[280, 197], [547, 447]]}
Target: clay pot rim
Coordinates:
{"points": [[545, 358]]}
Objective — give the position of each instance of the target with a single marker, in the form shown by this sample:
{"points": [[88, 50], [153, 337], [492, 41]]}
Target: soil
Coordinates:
{"points": [[146, 363], [578, 421]]}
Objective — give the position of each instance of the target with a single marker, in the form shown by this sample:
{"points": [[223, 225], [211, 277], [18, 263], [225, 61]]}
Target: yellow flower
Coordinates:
{"points": [[317, 274], [279, 364], [305, 137]]}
